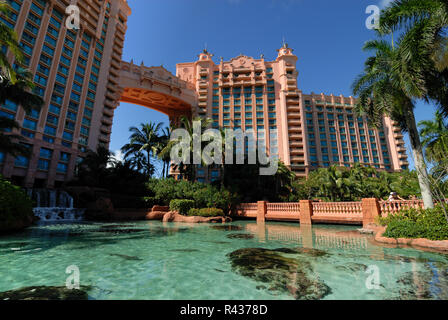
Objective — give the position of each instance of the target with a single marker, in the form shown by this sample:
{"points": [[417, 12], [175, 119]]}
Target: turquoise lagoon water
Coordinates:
{"points": [[152, 260]]}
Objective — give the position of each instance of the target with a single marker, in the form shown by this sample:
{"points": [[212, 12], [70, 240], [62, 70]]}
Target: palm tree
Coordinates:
{"points": [[429, 17], [10, 142], [144, 139], [434, 135], [165, 157], [8, 39], [188, 169], [423, 49], [15, 86], [389, 87], [94, 167]]}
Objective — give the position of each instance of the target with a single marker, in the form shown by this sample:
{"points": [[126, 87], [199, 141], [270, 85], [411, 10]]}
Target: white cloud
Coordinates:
{"points": [[385, 3]]}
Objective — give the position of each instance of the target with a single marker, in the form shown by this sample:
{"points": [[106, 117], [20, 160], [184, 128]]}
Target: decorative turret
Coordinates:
{"points": [[285, 50], [205, 55]]}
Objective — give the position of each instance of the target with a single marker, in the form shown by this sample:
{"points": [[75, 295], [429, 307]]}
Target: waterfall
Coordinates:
{"points": [[54, 206]]}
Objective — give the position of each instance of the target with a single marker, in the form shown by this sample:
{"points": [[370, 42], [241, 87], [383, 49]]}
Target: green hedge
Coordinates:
{"points": [[417, 223], [15, 205], [181, 206], [206, 212]]}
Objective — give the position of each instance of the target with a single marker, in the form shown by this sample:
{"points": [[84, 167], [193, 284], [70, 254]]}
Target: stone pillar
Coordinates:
{"points": [[261, 211], [306, 211], [370, 211]]}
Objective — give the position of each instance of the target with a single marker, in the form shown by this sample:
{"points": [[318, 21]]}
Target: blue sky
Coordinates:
{"points": [[326, 35]]}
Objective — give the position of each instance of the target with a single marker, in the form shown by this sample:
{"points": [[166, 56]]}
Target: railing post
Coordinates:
{"points": [[370, 211], [261, 211], [306, 211]]}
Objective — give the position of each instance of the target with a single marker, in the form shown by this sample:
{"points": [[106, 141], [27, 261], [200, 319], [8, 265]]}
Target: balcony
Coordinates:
{"points": [[202, 103], [293, 101], [292, 93], [203, 84], [293, 115], [106, 121], [290, 67], [295, 136], [295, 129], [297, 159], [294, 122], [297, 144], [203, 72], [293, 109]]}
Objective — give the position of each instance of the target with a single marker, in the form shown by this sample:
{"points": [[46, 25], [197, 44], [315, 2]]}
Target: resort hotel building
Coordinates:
{"points": [[76, 72], [306, 131], [80, 75]]}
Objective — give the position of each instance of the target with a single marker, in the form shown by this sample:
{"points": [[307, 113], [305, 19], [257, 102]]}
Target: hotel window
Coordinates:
{"points": [[335, 151], [311, 136], [10, 105], [67, 136], [29, 124], [330, 116], [325, 158], [45, 153], [2, 157], [356, 159], [336, 158], [332, 129], [343, 137], [323, 143], [62, 167], [334, 144], [21, 161], [366, 160], [340, 117], [321, 129], [342, 130], [312, 143], [346, 159], [313, 150], [323, 137], [43, 165], [313, 158], [355, 152], [332, 136], [345, 151]]}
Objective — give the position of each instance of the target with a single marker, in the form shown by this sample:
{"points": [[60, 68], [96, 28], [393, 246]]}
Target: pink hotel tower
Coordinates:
{"points": [[82, 79], [307, 131]]}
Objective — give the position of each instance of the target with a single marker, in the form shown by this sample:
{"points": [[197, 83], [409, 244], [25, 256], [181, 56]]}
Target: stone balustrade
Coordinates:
{"points": [[308, 212]]}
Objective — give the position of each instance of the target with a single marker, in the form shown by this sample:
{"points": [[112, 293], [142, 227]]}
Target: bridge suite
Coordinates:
{"points": [[156, 88]]}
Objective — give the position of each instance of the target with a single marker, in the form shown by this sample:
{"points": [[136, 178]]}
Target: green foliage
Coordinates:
{"points": [[162, 191], [14, 203], [181, 206], [206, 212], [352, 184], [412, 223]]}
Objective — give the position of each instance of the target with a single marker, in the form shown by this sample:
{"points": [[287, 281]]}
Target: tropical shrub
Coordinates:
{"points": [[163, 191], [181, 206], [15, 205], [431, 224], [206, 212]]}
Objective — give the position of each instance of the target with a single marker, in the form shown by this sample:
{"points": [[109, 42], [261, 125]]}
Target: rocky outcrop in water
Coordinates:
{"points": [[45, 293], [173, 216], [283, 270]]}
